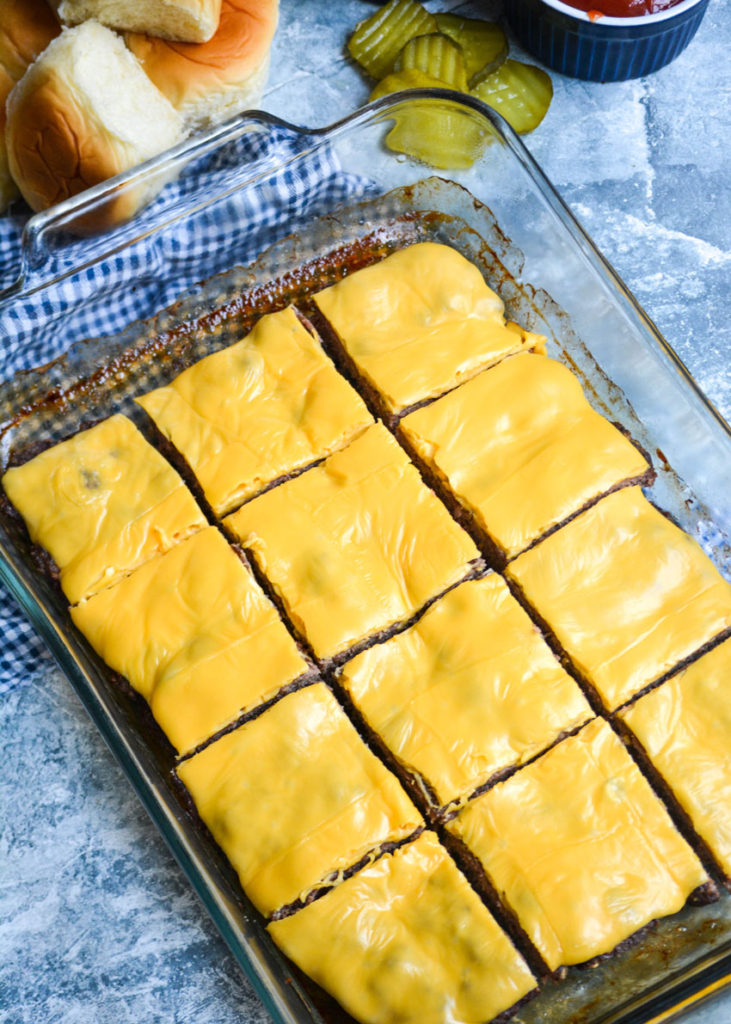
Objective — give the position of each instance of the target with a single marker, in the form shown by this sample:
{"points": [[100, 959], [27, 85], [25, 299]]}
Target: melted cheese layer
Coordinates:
{"points": [[521, 448], [580, 846], [685, 727], [355, 544], [407, 940], [194, 634], [102, 503], [419, 322], [267, 405], [294, 795], [468, 690], [627, 593]]}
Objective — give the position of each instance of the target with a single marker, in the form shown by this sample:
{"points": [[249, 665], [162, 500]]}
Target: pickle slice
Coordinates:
{"points": [[520, 92], [484, 45], [430, 131], [377, 41], [436, 55], [410, 78]]}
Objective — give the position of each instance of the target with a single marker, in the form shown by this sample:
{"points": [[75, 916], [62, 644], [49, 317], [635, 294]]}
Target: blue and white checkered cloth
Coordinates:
{"points": [[99, 300]]}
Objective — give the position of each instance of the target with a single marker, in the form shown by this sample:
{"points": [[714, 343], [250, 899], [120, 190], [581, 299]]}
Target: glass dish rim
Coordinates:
{"points": [[38, 224], [32, 602]]}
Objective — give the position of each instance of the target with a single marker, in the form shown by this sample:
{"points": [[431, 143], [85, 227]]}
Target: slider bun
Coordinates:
{"points": [[8, 190], [215, 80], [83, 112], [26, 29], [193, 21]]}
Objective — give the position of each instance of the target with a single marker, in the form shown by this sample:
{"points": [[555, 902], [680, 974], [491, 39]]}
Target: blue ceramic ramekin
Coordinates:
{"points": [[605, 49]]}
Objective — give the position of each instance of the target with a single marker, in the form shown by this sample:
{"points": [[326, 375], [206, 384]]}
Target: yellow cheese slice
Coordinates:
{"points": [[257, 410], [627, 593], [685, 727], [102, 503], [407, 940], [419, 322], [580, 847], [294, 795], [521, 448], [195, 635], [470, 689], [355, 544]]}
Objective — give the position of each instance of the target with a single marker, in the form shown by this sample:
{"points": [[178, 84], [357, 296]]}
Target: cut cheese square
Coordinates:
{"points": [[295, 795], [102, 503], [257, 410], [684, 726], [627, 593], [580, 847], [407, 940], [471, 689], [420, 322], [195, 635], [355, 544], [521, 448]]}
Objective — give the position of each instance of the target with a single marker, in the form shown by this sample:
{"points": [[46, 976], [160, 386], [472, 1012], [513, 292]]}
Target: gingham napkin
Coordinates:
{"points": [[36, 328]]}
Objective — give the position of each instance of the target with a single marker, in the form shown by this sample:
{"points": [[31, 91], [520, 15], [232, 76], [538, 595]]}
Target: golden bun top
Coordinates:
{"points": [[26, 29], [192, 20], [8, 191], [185, 72], [6, 84]]}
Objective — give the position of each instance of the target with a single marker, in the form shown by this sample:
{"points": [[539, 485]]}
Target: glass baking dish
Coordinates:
{"points": [[365, 199]]}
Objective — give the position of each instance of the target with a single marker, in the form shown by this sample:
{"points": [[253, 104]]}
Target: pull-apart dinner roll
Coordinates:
{"points": [[85, 111], [26, 29], [192, 21], [214, 81], [8, 191]]}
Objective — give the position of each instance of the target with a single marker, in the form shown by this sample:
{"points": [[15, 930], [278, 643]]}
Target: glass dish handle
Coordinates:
{"points": [[109, 218]]}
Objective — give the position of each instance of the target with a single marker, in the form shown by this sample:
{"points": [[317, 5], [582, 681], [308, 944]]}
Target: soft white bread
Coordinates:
{"points": [[213, 81], [26, 29], [8, 189], [193, 21], [83, 112]]}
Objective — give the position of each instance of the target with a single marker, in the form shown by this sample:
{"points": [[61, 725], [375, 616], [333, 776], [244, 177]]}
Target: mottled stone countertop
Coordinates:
{"points": [[97, 923]]}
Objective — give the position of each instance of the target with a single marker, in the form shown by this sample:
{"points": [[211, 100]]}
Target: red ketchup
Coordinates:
{"points": [[620, 8]]}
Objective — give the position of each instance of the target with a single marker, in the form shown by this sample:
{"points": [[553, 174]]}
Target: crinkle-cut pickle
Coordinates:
{"points": [[430, 131], [484, 44], [520, 92], [411, 78], [377, 41], [436, 55]]}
